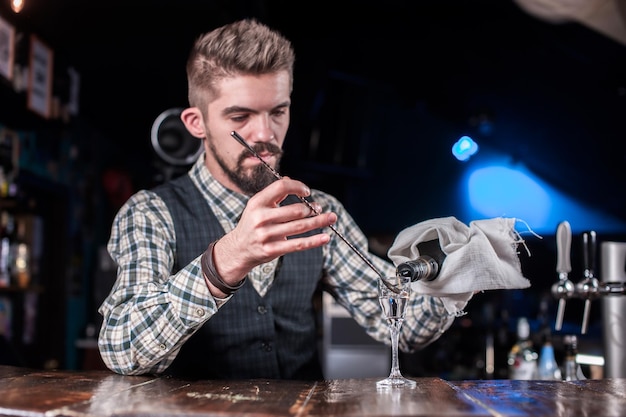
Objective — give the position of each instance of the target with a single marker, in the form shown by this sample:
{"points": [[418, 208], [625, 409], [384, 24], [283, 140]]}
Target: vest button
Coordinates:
{"points": [[266, 346], [261, 309]]}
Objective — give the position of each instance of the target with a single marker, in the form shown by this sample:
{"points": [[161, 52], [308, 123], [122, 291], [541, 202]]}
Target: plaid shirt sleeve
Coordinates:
{"points": [[149, 313], [354, 286]]}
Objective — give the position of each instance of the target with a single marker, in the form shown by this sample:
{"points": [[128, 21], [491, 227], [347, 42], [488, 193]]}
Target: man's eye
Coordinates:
{"points": [[240, 118]]}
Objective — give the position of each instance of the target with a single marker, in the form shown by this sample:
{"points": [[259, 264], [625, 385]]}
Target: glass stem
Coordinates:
{"points": [[394, 328]]}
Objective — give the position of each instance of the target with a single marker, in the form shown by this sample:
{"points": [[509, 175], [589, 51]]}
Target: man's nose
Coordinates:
{"points": [[263, 130]]}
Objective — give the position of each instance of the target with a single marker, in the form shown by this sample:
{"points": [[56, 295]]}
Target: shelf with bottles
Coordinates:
{"points": [[21, 291]]}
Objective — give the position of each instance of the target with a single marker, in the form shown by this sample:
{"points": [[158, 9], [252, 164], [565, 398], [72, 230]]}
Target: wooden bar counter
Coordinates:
{"points": [[29, 392]]}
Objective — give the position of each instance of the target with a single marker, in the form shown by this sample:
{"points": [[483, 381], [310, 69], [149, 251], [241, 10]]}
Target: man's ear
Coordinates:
{"points": [[192, 118]]}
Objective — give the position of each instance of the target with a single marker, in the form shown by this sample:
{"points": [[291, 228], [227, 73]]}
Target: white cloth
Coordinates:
{"points": [[480, 257]]}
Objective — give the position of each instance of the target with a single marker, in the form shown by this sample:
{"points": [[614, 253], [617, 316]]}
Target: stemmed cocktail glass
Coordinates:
{"points": [[393, 295]]}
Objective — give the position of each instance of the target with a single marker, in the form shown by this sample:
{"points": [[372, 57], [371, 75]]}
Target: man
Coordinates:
{"points": [[218, 269]]}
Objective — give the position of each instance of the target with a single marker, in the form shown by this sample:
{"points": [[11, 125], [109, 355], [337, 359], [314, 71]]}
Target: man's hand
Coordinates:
{"points": [[264, 227]]}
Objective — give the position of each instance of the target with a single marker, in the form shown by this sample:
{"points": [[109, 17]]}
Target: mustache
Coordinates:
{"points": [[261, 148]]}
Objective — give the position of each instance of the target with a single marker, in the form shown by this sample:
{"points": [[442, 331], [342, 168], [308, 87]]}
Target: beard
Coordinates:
{"points": [[252, 180]]}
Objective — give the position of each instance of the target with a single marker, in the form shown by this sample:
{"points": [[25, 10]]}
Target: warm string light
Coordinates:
{"points": [[17, 5]]}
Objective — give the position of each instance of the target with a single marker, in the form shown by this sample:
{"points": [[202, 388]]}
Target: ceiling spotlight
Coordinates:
{"points": [[17, 5]]}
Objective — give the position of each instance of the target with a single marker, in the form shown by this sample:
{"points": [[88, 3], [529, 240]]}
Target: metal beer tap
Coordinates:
{"points": [[611, 290], [564, 288], [589, 287]]}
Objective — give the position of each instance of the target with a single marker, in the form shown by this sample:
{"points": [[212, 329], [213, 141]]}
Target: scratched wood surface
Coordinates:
{"points": [[34, 392], [361, 398], [26, 392], [172, 398], [596, 398]]}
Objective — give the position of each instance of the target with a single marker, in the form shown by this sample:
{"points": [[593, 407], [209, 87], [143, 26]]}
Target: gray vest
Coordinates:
{"points": [[274, 336]]}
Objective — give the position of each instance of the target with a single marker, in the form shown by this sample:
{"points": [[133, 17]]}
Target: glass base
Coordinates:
{"points": [[396, 382]]}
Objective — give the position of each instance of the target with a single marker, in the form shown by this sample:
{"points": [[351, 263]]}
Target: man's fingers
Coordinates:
{"points": [[297, 244], [277, 191], [291, 228]]}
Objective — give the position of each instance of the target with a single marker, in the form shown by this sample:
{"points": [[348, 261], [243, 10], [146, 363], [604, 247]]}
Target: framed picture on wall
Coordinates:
{"points": [[40, 77], [7, 48]]}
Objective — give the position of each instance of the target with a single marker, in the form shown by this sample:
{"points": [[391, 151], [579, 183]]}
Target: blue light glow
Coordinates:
{"points": [[464, 148], [497, 190], [502, 189]]}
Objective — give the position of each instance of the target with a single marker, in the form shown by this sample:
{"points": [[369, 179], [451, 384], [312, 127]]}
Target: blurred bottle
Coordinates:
{"points": [[6, 225], [571, 368], [4, 184], [548, 369], [522, 360], [20, 257]]}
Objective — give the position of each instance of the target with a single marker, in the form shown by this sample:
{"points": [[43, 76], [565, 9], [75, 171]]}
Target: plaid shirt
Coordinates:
{"points": [[150, 313]]}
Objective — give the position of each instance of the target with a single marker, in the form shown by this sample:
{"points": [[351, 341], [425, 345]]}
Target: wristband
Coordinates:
{"points": [[210, 273]]}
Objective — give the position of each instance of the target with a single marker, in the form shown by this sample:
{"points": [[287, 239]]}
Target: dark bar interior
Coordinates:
{"points": [[382, 91]]}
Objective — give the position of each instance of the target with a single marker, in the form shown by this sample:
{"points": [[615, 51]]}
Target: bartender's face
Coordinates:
{"points": [[256, 107]]}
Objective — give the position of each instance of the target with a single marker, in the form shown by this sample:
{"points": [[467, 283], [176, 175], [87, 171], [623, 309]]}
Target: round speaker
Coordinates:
{"points": [[172, 141]]}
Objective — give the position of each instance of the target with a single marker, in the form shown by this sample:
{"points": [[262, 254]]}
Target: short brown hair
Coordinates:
{"points": [[245, 47]]}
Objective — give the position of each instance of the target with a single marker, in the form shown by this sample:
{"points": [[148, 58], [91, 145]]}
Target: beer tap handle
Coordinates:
{"points": [[589, 253], [589, 287], [564, 288]]}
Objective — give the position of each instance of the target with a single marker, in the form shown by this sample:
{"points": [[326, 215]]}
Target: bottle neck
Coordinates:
{"points": [[422, 268], [427, 265]]}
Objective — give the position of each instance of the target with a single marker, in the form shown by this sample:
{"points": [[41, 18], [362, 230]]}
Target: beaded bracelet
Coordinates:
{"points": [[208, 268]]}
